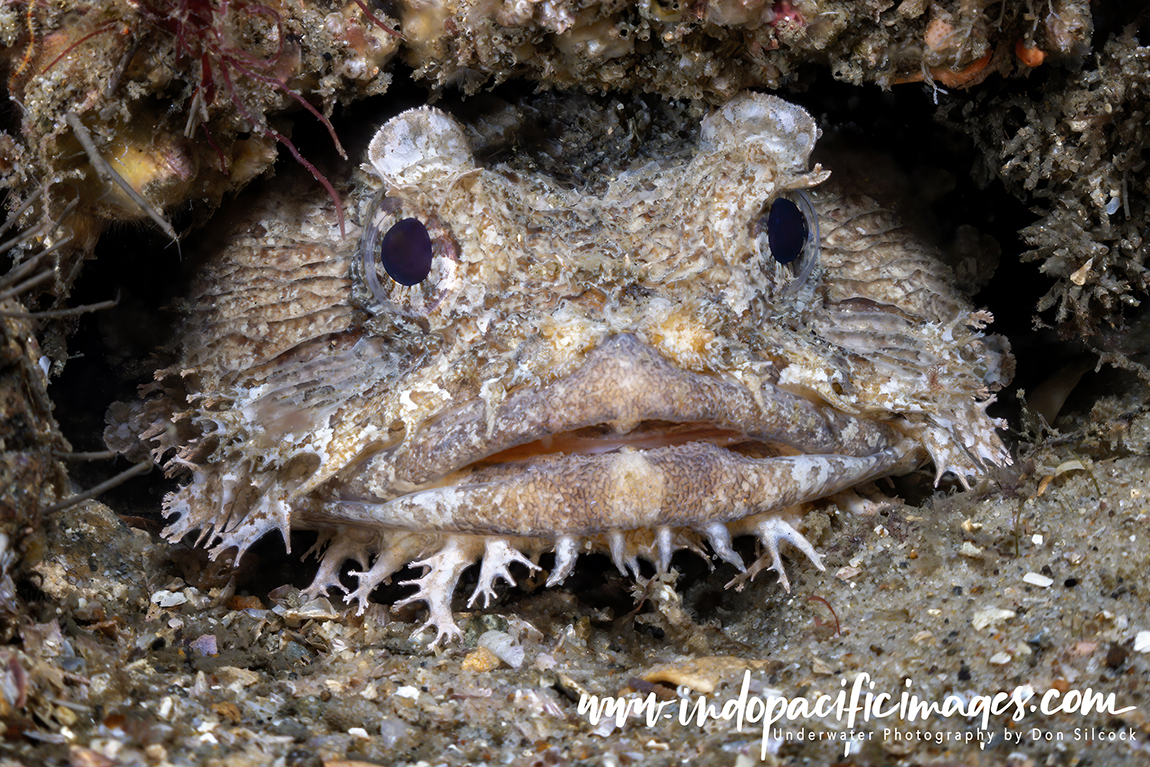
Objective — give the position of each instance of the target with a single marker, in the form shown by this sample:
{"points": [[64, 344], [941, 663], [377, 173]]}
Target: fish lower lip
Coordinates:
{"points": [[694, 485]]}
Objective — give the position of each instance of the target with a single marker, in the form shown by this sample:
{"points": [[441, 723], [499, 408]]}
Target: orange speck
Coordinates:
{"points": [[229, 711], [1031, 57], [239, 602]]}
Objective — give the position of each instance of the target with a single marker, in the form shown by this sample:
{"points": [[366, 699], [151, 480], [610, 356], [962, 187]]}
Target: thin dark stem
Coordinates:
{"points": [[102, 455], [299, 99], [98, 30], [27, 285], [12, 219], [140, 468], [291, 148], [106, 172], [18, 272], [51, 314]]}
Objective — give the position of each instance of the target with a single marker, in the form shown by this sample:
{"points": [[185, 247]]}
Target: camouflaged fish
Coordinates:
{"points": [[492, 365]]}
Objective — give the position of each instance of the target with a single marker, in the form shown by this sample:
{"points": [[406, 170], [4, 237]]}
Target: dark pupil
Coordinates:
{"points": [[406, 252], [786, 230]]}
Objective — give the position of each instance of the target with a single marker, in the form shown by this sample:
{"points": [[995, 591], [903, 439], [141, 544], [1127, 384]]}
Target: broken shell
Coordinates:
{"points": [[316, 609], [989, 617], [504, 647]]}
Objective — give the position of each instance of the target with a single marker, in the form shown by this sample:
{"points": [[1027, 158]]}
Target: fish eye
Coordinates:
{"points": [[405, 252], [407, 260], [788, 228], [787, 231]]}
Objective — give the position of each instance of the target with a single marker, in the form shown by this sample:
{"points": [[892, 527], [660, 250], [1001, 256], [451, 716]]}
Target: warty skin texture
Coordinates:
{"points": [[626, 370]]}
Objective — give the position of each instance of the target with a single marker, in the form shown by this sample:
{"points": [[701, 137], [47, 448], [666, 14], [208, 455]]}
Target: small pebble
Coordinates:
{"points": [[970, 550], [205, 645], [480, 660]]}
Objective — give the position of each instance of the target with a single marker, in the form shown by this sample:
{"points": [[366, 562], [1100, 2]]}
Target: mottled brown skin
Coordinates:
{"points": [[627, 370]]}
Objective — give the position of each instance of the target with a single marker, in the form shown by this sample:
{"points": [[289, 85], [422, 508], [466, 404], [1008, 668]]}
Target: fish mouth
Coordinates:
{"points": [[627, 441]]}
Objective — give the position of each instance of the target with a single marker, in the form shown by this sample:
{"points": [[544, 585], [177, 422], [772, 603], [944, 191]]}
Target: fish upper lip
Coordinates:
{"points": [[622, 383]]}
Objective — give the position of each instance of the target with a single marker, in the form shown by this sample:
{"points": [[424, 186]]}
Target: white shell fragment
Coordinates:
{"points": [[847, 572], [319, 609], [989, 617], [504, 646], [1036, 579], [970, 551], [165, 598]]}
